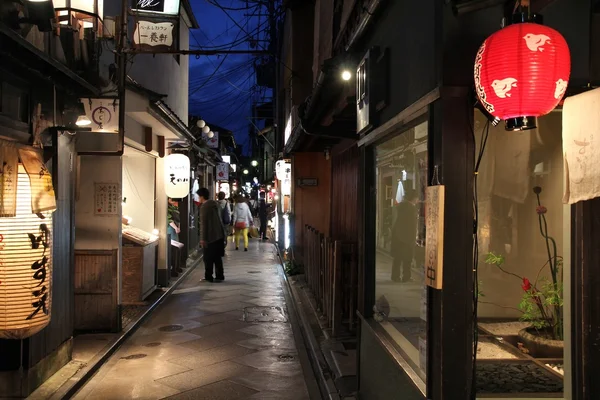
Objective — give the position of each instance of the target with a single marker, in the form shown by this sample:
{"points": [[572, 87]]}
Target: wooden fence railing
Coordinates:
{"points": [[331, 271]]}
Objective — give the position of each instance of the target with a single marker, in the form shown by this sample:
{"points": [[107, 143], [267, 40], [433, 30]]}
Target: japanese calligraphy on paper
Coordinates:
{"points": [[434, 242], [106, 199], [153, 34]]}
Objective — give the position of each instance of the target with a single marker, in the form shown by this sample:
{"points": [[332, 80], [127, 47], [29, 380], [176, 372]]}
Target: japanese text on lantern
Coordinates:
{"points": [[434, 239], [106, 199], [39, 240], [178, 174]]}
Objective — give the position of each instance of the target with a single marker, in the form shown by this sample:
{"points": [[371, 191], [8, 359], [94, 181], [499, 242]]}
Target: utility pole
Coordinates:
{"points": [[122, 68]]}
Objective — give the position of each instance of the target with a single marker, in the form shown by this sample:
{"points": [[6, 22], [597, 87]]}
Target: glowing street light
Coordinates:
{"points": [[246, 172], [254, 163], [346, 75]]}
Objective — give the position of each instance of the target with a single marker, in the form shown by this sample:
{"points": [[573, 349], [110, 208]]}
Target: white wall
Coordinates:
{"points": [[138, 189], [94, 232]]}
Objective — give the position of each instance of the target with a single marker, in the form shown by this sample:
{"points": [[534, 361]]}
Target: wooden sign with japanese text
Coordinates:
{"points": [[434, 243], [151, 35]]}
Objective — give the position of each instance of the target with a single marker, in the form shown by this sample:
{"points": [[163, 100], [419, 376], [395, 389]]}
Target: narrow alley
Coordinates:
{"points": [[229, 340]]}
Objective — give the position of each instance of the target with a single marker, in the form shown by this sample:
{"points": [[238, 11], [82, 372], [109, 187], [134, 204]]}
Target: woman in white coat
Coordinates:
{"points": [[242, 219]]}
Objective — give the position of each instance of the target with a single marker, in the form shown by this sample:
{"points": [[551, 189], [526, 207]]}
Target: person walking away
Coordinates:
{"points": [[263, 212], [212, 236], [242, 219], [225, 212], [174, 219], [404, 233]]}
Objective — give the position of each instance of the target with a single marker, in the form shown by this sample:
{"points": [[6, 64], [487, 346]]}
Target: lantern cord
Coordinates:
{"points": [[21, 372], [482, 145]]}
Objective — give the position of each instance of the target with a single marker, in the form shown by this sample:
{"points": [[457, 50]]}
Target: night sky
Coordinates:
{"points": [[223, 88]]}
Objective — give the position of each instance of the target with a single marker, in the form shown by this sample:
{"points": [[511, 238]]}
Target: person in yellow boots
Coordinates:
{"points": [[242, 220]]}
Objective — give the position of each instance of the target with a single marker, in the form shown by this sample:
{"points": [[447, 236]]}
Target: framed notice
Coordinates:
{"points": [[434, 238], [106, 199]]}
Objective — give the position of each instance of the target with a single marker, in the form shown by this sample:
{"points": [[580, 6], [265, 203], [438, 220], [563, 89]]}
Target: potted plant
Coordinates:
{"points": [[542, 301]]}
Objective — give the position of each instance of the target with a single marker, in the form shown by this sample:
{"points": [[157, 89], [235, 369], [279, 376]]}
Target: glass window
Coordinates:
{"points": [[524, 238], [400, 291]]}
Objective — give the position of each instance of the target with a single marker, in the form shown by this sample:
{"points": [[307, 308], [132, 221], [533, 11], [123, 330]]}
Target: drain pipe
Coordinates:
{"points": [[365, 20]]}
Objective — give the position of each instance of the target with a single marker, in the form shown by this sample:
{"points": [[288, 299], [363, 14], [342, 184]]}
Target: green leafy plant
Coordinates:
{"points": [[542, 301], [292, 268]]}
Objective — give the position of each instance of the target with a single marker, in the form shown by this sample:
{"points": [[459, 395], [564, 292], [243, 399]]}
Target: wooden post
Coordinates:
{"points": [[161, 146], [337, 289]]}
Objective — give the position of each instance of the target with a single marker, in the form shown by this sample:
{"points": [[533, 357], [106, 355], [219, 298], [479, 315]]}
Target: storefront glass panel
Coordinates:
{"points": [[400, 291], [524, 233]]}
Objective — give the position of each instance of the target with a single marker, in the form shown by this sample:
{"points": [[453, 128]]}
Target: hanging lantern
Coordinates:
{"points": [[177, 176], [25, 247], [522, 72]]}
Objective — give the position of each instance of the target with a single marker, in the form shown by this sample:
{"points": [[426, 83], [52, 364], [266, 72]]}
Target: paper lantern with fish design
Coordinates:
{"points": [[25, 254], [521, 73]]}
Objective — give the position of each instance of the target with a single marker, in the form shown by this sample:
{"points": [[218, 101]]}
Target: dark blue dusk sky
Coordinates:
{"points": [[223, 88]]}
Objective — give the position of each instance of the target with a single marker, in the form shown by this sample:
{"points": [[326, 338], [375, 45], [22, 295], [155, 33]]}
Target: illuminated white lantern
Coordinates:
{"points": [[25, 249], [177, 176]]}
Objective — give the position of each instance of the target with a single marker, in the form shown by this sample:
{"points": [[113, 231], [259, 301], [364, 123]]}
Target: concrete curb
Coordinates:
{"points": [[326, 386], [77, 381]]}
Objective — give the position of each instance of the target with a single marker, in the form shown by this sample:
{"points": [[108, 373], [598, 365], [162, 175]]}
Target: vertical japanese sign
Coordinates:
{"points": [[106, 199], [149, 34], [222, 172], [434, 242], [8, 181]]}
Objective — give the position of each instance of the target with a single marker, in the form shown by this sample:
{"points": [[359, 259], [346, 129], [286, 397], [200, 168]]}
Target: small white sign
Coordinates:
{"points": [[222, 172], [106, 198], [153, 34], [213, 142], [170, 7]]}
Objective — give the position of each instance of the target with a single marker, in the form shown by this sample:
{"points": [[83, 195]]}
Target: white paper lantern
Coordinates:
{"points": [[25, 267], [177, 176]]}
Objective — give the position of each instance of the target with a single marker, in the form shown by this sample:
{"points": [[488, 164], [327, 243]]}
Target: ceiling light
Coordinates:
{"points": [[346, 75]]}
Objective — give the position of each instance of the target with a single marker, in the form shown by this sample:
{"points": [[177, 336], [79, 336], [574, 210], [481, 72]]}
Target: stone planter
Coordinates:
{"points": [[540, 347]]}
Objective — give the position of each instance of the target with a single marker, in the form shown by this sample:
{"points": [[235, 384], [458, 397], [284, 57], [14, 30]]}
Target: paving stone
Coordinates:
{"points": [[274, 361], [222, 339], [271, 330], [213, 356], [203, 376], [221, 317], [223, 390]]}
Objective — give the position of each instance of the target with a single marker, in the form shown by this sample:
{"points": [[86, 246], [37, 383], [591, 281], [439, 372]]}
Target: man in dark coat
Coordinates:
{"points": [[404, 233], [212, 236], [263, 213]]}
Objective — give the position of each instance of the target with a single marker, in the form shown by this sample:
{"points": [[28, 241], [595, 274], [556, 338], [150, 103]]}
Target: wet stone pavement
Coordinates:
{"points": [[229, 340]]}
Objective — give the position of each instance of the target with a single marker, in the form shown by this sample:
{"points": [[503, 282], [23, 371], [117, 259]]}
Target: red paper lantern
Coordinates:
{"points": [[521, 73]]}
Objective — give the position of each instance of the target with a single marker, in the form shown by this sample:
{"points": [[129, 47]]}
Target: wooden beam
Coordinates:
{"points": [[161, 146], [148, 138]]}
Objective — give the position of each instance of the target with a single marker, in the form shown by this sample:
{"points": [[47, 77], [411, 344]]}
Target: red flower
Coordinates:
{"points": [[541, 210], [526, 285]]}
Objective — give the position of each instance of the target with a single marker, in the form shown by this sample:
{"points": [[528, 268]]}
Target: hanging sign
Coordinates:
{"points": [[177, 176], [222, 172], [213, 142], [104, 114], [434, 242], [170, 7], [151, 34], [25, 266], [283, 168]]}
